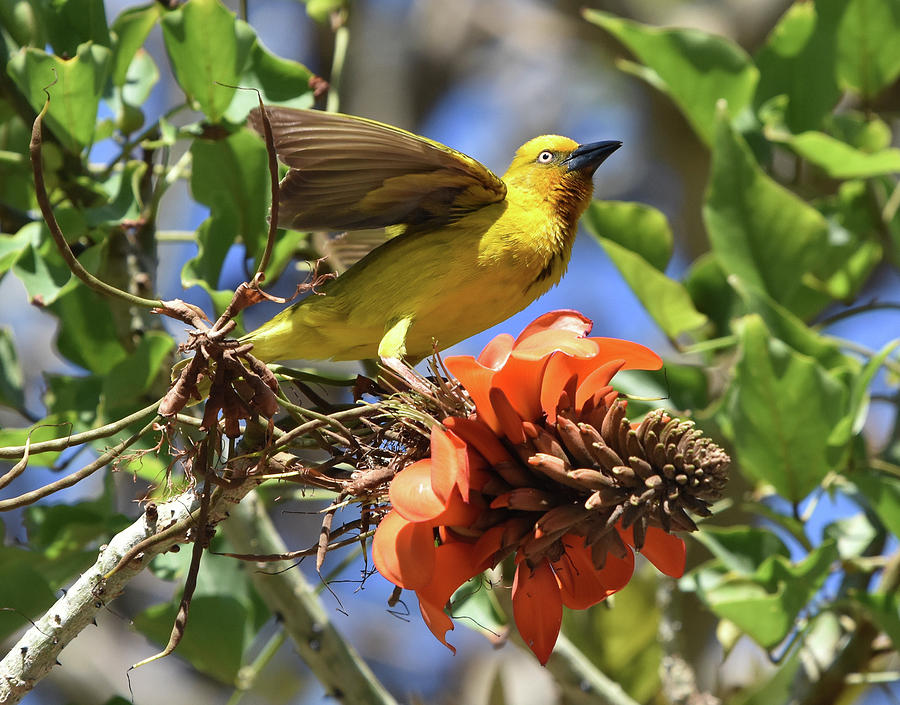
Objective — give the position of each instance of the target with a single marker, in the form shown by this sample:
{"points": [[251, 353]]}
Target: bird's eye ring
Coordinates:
{"points": [[545, 157]]}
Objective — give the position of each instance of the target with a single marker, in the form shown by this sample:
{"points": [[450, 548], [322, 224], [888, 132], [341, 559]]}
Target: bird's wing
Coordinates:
{"points": [[348, 173]]}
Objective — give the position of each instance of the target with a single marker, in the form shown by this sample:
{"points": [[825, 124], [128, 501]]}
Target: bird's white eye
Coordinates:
{"points": [[545, 157]]}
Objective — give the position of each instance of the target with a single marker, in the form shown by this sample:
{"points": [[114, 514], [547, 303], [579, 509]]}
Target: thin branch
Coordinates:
{"points": [[260, 275], [77, 476], [43, 200], [341, 671], [341, 42], [855, 310], [12, 452]]}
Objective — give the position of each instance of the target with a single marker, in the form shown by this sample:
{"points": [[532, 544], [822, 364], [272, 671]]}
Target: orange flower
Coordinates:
{"points": [[546, 468]]}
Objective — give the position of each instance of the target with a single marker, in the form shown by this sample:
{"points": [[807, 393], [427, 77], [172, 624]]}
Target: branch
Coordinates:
{"points": [[570, 666], [37, 651], [339, 668], [62, 245]]}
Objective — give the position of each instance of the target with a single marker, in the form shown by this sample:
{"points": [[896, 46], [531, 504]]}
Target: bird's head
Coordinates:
{"points": [[558, 170]]}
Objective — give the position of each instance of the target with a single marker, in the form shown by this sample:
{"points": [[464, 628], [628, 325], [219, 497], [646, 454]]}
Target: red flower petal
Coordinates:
{"points": [[546, 342], [580, 583], [637, 357], [448, 463], [537, 608], [562, 319], [476, 433], [665, 551], [558, 378], [437, 621], [412, 493], [476, 378], [404, 552], [510, 423], [501, 538], [520, 381], [497, 351], [454, 564], [596, 384]]}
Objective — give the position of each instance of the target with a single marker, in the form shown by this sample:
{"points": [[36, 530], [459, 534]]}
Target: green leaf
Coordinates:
{"points": [[70, 23], [231, 176], [123, 199], [87, 334], [694, 68], [75, 96], [859, 390], [640, 228], [131, 29], [838, 159], [708, 288], [281, 82], [854, 242], [11, 379], [741, 549], [882, 609], [766, 604], [866, 132], [759, 230], [24, 590], [798, 61], [39, 266], [67, 535], [207, 47], [791, 330], [477, 607], [131, 378], [777, 438], [677, 386], [853, 535], [883, 493], [321, 10], [868, 46], [225, 616], [666, 300], [49, 428], [214, 238]]}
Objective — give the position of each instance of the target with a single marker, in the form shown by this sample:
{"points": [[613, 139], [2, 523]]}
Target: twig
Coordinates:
{"points": [[260, 275], [94, 434], [340, 670], [303, 429], [77, 476], [341, 42], [56, 232]]}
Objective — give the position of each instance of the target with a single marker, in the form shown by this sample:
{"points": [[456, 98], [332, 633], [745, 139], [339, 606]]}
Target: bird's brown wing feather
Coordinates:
{"points": [[348, 173]]}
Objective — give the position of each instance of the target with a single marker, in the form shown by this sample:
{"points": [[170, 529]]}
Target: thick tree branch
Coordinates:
{"points": [[344, 675], [36, 652]]}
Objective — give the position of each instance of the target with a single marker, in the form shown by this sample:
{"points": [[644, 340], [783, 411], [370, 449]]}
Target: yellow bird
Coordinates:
{"points": [[469, 249]]}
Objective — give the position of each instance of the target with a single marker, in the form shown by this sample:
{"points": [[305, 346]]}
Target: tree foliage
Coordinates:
{"points": [[801, 218]]}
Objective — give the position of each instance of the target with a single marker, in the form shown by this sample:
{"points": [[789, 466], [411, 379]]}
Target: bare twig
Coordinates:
{"points": [[69, 480], [56, 232], [77, 438]]}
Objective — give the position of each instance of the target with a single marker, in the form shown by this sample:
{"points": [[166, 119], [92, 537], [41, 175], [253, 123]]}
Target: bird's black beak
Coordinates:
{"points": [[587, 157]]}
